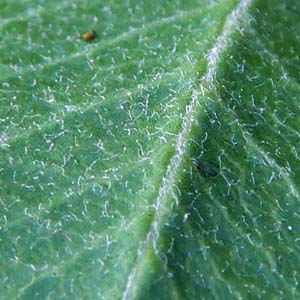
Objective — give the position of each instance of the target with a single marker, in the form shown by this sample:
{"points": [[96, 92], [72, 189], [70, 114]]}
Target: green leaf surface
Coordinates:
{"points": [[160, 160]]}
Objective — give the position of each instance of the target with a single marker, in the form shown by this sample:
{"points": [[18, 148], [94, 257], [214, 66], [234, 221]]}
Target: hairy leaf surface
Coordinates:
{"points": [[158, 161]]}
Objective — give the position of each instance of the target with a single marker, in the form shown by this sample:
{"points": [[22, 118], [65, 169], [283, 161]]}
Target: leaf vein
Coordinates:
{"points": [[181, 144]]}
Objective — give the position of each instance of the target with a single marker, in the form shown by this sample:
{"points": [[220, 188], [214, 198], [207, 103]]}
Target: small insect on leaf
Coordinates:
{"points": [[89, 36]]}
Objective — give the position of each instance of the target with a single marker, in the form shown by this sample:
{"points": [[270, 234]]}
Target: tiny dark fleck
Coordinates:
{"points": [[89, 36], [207, 169]]}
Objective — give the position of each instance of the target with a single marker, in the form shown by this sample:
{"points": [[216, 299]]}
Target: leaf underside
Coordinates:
{"points": [[127, 172]]}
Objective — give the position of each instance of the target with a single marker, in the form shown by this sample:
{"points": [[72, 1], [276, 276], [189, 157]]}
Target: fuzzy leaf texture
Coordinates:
{"points": [[158, 161]]}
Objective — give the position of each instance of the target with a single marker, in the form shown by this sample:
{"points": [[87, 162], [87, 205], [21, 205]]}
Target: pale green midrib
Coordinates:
{"points": [[181, 146], [115, 40]]}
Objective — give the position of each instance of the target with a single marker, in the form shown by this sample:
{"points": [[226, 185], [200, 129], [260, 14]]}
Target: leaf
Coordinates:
{"points": [[158, 161]]}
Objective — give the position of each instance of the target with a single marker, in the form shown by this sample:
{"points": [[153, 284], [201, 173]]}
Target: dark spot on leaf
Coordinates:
{"points": [[207, 169], [89, 36]]}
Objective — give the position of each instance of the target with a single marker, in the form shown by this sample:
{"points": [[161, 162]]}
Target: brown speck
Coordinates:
{"points": [[89, 36]]}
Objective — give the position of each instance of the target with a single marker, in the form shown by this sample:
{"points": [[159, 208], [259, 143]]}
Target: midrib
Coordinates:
{"points": [[152, 237]]}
